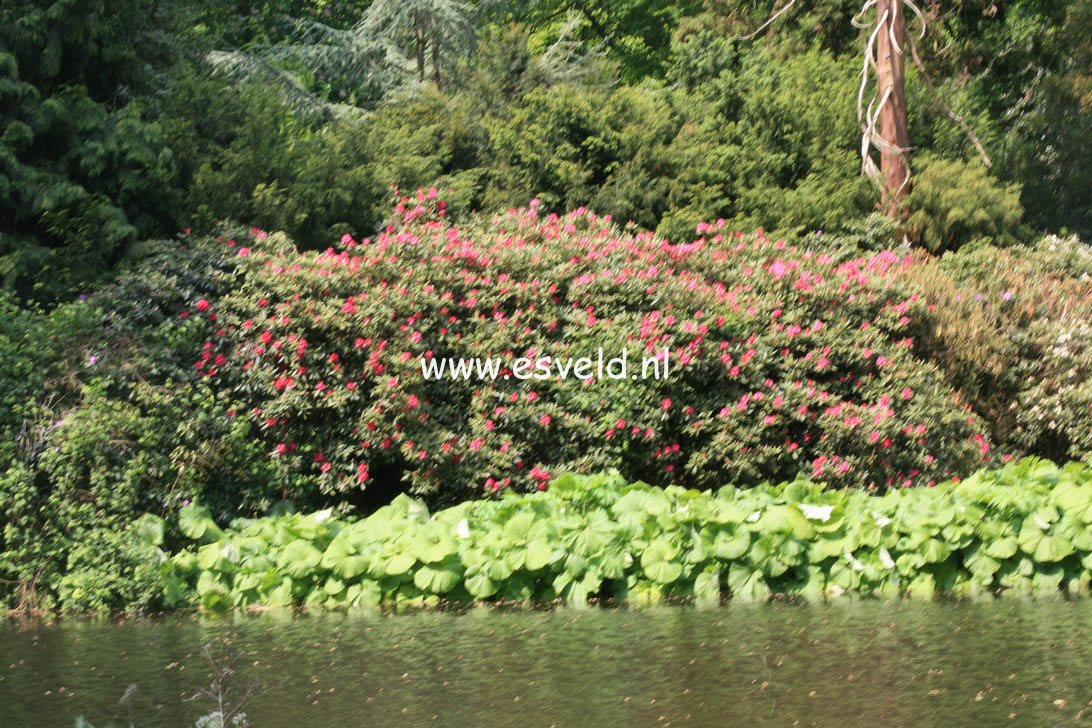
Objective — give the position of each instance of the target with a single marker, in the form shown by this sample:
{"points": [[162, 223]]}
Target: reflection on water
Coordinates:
{"points": [[866, 663]]}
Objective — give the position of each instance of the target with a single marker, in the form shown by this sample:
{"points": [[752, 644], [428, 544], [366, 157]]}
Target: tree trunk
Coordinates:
{"points": [[890, 77], [436, 54], [420, 28]]}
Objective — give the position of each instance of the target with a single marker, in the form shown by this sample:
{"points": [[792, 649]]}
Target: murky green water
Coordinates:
{"points": [[861, 664]]}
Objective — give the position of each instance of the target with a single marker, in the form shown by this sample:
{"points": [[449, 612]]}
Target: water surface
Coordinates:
{"points": [[1023, 663]]}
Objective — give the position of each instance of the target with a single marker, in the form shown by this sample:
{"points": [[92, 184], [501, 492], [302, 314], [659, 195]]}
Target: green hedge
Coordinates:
{"points": [[1021, 529]]}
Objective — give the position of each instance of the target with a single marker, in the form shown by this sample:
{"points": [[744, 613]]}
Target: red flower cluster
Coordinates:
{"points": [[782, 359]]}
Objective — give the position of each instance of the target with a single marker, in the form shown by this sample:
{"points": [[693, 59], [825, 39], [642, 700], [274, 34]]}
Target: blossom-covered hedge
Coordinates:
{"points": [[782, 359], [1022, 529], [1010, 329]]}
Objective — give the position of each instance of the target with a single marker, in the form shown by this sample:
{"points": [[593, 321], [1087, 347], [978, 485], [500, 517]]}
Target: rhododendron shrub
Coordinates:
{"points": [[781, 359], [1011, 330]]}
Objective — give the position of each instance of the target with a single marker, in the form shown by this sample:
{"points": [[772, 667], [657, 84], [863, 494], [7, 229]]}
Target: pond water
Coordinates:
{"points": [[869, 663]]}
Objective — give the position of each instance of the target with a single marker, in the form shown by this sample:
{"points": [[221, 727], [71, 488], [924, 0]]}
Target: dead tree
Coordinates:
{"points": [[884, 123], [883, 120]]}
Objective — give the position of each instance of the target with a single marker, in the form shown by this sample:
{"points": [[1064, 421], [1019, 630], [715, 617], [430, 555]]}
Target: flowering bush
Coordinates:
{"points": [[1010, 330], [1063, 255], [1053, 411], [782, 359]]}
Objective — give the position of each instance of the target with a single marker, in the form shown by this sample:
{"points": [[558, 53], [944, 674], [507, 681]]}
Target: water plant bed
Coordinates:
{"points": [[1021, 529]]}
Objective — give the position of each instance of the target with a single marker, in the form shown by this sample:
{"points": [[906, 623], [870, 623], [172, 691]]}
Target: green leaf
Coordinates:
{"points": [[149, 529], [299, 559], [641, 503], [352, 566], [597, 532], [1044, 546], [518, 529], [825, 546], [367, 593], [208, 556], [479, 584], [196, 522], [1048, 580], [1002, 548], [538, 554], [282, 595], [1074, 499], [707, 587], [934, 551], [922, 586], [747, 585], [438, 578], [399, 564], [730, 546], [799, 525], [658, 562], [433, 546], [216, 601]]}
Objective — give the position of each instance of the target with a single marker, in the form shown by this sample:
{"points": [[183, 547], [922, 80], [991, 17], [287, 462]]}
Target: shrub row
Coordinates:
{"points": [[1022, 529], [240, 371], [1010, 330], [782, 358]]}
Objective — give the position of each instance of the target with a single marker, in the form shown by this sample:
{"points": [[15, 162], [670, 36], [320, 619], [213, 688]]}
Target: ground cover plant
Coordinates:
{"points": [[1020, 529]]}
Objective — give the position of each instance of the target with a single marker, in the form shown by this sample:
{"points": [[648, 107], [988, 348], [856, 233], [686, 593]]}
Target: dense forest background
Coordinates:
{"points": [[126, 120]]}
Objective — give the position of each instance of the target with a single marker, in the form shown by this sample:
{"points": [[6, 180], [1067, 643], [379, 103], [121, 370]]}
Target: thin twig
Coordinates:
{"points": [[944, 107], [771, 19]]}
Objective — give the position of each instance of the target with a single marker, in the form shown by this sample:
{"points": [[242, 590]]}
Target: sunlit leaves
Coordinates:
{"points": [[598, 536], [658, 562]]}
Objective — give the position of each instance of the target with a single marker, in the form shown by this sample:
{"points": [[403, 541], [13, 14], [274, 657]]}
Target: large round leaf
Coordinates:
{"points": [[538, 554], [746, 584], [479, 584], [299, 559], [729, 546], [658, 562], [438, 578], [1044, 546]]}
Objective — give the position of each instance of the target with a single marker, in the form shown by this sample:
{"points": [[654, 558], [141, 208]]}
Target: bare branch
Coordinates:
{"points": [[770, 21], [891, 37], [869, 60], [944, 107], [917, 12], [864, 9]]}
